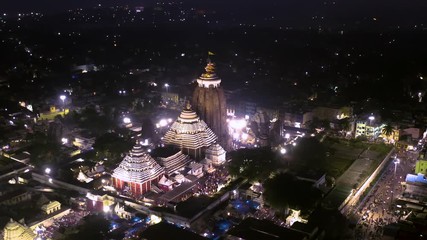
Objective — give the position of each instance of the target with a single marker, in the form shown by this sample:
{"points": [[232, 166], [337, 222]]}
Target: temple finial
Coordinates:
{"points": [[187, 105]]}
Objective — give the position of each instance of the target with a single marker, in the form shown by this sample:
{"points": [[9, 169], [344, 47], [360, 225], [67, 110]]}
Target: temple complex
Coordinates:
{"points": [[209, 102], [137, 172], [191, 134]]}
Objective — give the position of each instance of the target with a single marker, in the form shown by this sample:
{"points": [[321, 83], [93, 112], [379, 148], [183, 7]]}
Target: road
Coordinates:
{"points": [[376, 210]]}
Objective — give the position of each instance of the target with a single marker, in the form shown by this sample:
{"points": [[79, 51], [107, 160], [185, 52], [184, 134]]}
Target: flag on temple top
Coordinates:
{"points": [[210, 53]]}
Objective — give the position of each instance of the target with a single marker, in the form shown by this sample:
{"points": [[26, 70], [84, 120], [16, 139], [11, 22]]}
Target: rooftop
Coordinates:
{"points": [[254, 229], [166, 231]]}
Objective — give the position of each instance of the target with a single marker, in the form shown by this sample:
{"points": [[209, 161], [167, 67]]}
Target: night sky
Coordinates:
{"points": [[399, 7]]}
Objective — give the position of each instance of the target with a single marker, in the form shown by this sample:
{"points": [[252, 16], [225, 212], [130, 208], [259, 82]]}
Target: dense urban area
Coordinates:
{"points": [[213, 120]]}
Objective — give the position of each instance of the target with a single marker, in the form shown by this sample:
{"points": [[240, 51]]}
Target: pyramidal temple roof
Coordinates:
{"points": [[188, 131], [138, 167], [15, 230], [215, 149]]}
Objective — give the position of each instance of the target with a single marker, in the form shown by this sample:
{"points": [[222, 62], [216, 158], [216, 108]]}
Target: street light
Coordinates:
{"points": [[126, 120], [283, 150], [371, 118], [166, 86], [396, 161], [63, 97]]}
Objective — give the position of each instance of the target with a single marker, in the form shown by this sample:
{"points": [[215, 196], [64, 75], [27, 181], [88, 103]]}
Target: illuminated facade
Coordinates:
{"points": [[367, 129], [17, 231], [190, 134], [174, 162], [209, 102], [215, 154], [137, 172], [421, 167]]}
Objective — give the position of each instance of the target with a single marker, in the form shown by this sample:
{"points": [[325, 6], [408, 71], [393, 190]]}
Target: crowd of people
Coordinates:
{"points": [[268, 214], [211, 181], [70, 220], [378, 208]]}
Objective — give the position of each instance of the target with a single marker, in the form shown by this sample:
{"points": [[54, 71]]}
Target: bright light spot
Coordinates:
{"points": [[163, 123], [106, 209], [294, 144], [64, 140], [166, 85], [155, 219], [236, 135], [237, 123], [169, 120], [126, 120], [247, 117], [287, 135], [244, 136], [47, 170], [50, 180], [283, 150], [371, 118], [62, 97]]}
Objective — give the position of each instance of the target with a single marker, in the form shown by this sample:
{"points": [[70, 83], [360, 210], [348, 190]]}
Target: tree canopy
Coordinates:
{"points": [[284, 190], [44, 150], [253, 164], [309, 152], [111, 146], [387, 130], [93, 227]]}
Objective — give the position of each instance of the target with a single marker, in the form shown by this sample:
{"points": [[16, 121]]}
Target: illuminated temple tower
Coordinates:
{"points": [[190, 134], [137, 172], [209, 102]]}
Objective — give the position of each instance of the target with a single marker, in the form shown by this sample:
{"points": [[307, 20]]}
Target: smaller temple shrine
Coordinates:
{"points": [[51, 207], [17, 231], [190, 134], [137, 172], [215, 154]]}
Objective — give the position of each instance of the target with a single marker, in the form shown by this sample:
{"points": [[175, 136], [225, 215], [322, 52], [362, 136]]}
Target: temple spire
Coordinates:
{"points": [[188, 105]]}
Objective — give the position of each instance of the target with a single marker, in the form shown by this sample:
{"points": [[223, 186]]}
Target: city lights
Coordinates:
{"points": [[283, 150], [237, 124], [62, 97], [163, 123], [126, 120]]}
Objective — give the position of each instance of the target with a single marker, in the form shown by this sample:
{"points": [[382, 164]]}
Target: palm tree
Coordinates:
{"points": [[387, 130]]}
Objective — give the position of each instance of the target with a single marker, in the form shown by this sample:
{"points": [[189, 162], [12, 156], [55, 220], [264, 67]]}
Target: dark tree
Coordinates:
{"points": [[309, 152], [253, 164], [94, 122], [44, 150], [94, 227], [285, 190], [111, 146]]}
